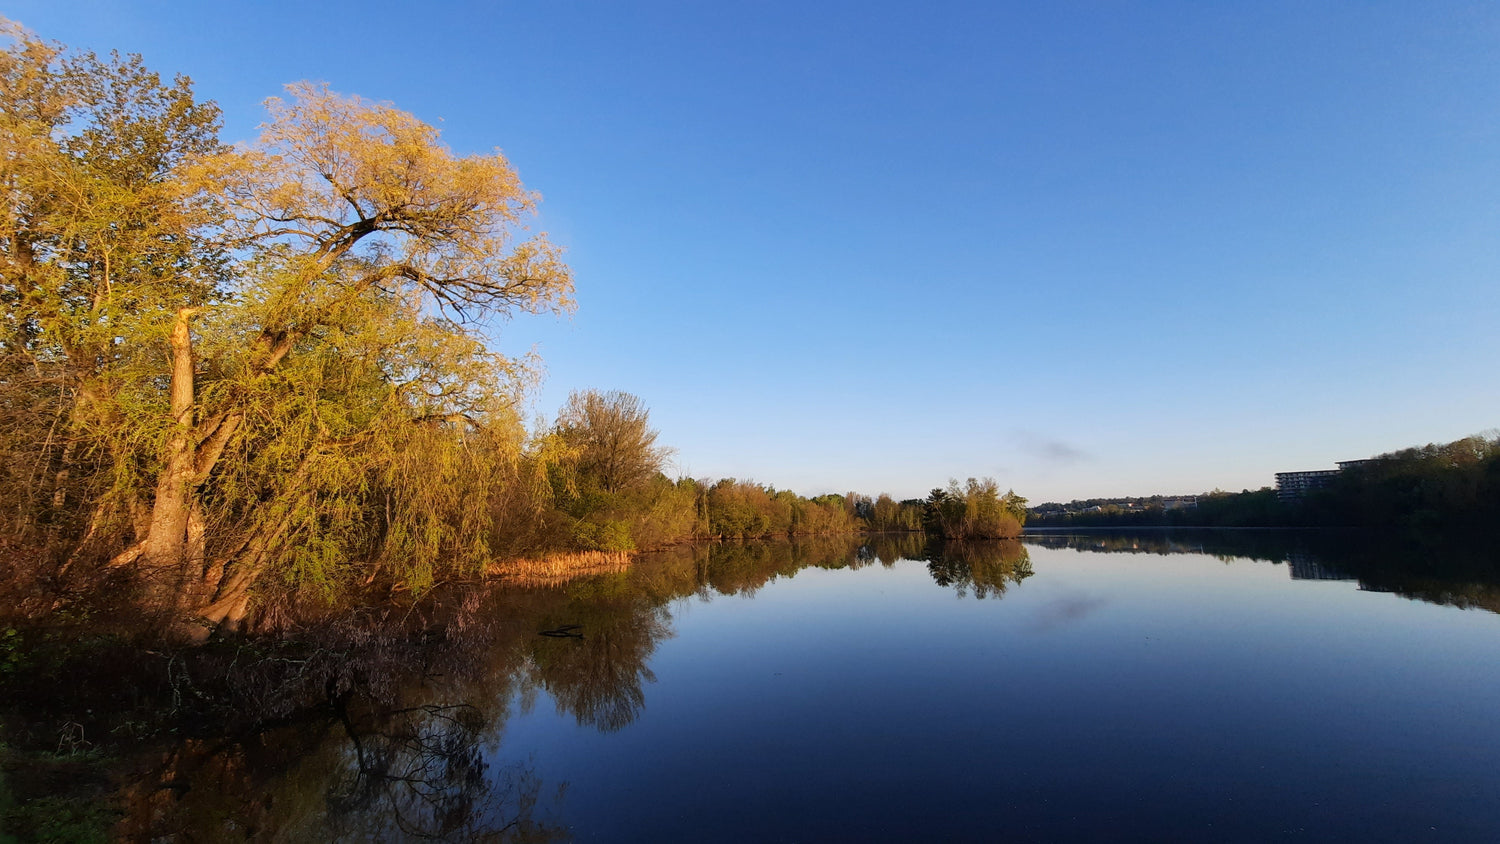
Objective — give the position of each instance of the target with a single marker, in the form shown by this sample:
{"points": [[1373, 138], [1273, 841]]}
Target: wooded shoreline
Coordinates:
{"points": [[239, 377]]}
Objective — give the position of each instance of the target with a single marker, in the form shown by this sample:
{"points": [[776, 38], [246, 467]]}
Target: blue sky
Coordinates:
{"points": [[1086, 248]]}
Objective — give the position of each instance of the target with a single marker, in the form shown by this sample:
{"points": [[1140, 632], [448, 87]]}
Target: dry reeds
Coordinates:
{"points": [[556, 569]]}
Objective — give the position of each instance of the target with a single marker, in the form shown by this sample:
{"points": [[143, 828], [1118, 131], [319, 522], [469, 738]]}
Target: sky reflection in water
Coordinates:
{"points": [[1088, 695]]}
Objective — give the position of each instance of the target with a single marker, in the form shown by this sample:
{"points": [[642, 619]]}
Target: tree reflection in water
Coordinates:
{"points": [[368, 733], [985, 569], [1448, 569], [889, 548], [599, 677], [383, 725], [421, 772]]}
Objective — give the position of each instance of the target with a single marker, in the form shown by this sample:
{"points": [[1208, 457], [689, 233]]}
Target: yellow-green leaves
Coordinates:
{"points": [[346, 418]]}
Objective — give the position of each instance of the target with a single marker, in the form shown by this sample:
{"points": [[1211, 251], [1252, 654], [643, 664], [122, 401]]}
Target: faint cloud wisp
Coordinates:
{"points": [[1048, 449]]}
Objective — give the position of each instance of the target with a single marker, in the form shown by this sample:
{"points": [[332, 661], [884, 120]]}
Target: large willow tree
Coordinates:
{"points": [[287, 383]]}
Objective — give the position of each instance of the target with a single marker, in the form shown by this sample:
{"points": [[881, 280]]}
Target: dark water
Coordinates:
{"points": [[1095, 687], [1047, 692]]}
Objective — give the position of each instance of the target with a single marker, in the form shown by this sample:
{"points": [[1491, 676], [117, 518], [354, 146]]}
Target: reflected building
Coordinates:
{"points": [[1304, 566]]}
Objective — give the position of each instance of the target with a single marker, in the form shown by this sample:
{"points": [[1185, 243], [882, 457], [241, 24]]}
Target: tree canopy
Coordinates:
{"points": [[233, 377], [244, 351]]}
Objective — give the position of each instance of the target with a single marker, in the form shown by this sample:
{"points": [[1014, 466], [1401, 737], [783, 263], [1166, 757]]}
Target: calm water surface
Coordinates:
{"points": [[1077, 688], [1150, 686]]}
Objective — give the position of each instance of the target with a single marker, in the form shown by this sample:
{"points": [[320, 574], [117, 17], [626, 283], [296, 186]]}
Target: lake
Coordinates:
{"points": [[1107, 686]]}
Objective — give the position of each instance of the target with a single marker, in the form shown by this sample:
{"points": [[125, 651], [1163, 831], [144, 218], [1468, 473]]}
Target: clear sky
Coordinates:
{"points": [[1089, 249]]}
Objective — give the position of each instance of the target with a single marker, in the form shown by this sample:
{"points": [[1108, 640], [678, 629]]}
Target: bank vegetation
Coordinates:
{"points": [[239, 378], [1449, 488]]}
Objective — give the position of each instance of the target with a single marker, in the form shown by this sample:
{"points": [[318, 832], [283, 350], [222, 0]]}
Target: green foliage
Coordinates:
{"points": [[660, 512], [1453, 486], [263, 371], [664, 512], [328, 410], [744, 510], [613, 443], [102, 236], [57, 820], [603, 535], [890, 515], [974, 510], [12, 652]]}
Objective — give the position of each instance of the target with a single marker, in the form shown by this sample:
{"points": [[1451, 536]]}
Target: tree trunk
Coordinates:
{"points": [[165, 552], [231, 600], [60, 480]]}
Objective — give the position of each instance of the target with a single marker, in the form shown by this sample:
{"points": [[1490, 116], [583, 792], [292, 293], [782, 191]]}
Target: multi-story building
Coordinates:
{"points": [[1293, 485]]}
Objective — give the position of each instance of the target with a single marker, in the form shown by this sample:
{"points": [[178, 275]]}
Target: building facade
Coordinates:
{"points": [[1293, 485]]}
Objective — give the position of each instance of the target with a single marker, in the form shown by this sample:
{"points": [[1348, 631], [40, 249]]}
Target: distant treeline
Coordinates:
{"points": [[609, 494], [1454, 486]]}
